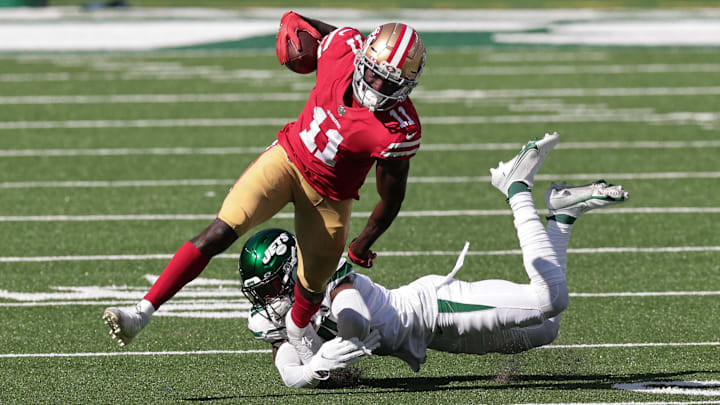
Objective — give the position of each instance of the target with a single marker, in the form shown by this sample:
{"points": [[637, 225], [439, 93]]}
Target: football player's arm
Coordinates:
{"points": [[293, 373], [391, 178], [290, 24], [350, 311], [334, 354], [322, 27]]}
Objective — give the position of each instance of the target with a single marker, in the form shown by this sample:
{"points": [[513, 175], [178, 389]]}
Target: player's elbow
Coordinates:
{"points": [[352, 324], [352, 314]]}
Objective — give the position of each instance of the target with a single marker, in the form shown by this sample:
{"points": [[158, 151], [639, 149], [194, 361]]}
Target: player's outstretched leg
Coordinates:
{"points": [[522, 168], [566, 204], [514, 179], [126, 324]]}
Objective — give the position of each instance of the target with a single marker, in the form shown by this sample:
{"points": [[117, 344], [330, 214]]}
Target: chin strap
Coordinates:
{"points": [[458, 265]]}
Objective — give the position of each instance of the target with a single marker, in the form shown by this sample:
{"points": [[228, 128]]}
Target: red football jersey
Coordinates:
{"points": [[335, 145]]}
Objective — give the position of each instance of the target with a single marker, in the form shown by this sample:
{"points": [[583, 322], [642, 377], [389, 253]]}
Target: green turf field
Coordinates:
{"points": [[421, 4], [110, 161]]}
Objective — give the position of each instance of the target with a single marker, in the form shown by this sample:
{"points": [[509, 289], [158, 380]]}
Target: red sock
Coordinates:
{"points": [[187, 263], [302, 310]]}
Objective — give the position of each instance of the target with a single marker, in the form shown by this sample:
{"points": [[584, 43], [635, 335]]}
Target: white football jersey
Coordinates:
{"points": [[405, 317]]}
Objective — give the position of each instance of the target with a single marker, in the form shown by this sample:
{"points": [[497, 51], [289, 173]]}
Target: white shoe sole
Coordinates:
{"points": [[574, 201], [111, 316]]}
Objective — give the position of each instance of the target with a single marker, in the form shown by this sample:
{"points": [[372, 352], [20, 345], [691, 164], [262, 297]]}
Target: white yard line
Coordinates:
{"points": [[431, 147], [428, 96], [178, 303], [153, 98], [167, 256], [645, 294], [126, 72], [624, 403], [579, 69], [113, 354], [360, 214], [119, 183], [147, 123], [463, 94], [613, 345], [138, 151], [678, 118], [426, 180], [235, 352]]}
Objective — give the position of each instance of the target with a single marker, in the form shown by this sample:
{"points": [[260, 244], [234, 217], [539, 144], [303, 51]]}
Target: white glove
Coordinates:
{"points": [[305, 340], [340, 353]]}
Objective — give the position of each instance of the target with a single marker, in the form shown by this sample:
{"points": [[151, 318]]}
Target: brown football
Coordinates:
{"points": [[304, 61]]}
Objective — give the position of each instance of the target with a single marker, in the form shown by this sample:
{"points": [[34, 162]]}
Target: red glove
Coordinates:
{"points": [[290, 24], [367, 262]]}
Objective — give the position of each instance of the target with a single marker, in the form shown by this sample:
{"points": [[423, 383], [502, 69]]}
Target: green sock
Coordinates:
{"points": [[517, 187], [563, 219]]}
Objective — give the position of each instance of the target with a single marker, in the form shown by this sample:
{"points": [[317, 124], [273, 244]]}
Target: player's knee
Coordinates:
{"points": [[545, 333], [217, 237], [560, 299], [554, 299]]}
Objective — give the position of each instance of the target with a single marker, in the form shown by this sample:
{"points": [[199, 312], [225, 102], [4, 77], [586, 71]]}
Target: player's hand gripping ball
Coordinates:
{"points": [[303, 60], [297, 43]]}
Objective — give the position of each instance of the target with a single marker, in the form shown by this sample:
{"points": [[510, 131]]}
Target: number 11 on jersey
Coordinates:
{"points": [[333, 137]]}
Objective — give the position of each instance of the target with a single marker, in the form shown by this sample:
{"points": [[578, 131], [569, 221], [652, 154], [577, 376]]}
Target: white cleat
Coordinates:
{"points": [[524, 165], [124, 324], [574, 201]]}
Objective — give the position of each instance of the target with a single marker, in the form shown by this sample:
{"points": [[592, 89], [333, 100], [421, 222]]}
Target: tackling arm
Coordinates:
{"points": [[350, 311], [333, 355], [391, 183], [293, 373]]}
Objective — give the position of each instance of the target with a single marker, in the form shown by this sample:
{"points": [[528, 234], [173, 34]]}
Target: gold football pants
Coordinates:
{"points": [[321, 223]]}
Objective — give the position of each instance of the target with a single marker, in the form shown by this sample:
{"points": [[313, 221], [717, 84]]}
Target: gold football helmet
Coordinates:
{"points": [[394, 53]]}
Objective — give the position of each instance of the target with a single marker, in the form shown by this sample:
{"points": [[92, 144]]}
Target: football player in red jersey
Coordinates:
{"points": [[357, 115]]}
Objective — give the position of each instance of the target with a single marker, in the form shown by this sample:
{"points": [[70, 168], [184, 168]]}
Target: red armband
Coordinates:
{"points": [[362, 262]]}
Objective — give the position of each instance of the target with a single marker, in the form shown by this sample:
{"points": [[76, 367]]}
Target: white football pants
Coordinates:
{"points": [[502, 316]]}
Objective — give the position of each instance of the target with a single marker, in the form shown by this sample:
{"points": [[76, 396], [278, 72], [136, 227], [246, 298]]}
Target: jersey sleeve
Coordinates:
{"points": [[338, 44], [403, 133], [263, 329]]}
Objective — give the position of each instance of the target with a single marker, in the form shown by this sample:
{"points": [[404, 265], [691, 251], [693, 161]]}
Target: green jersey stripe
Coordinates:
{"points": [[445, 306]]}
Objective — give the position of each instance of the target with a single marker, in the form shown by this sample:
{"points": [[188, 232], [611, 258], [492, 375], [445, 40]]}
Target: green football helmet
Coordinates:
{"points": [[268, 264]]}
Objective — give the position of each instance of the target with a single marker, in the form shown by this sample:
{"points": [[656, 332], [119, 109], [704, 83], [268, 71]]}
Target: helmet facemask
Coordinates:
{"points": [[271, 296], [373, 99]]}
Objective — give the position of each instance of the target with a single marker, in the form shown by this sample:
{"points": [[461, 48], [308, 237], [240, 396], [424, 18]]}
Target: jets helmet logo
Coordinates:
{"points": [[277, 247]]}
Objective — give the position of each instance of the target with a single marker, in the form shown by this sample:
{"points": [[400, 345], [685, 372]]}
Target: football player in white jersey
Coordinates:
{"points": [[359, 317]]}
